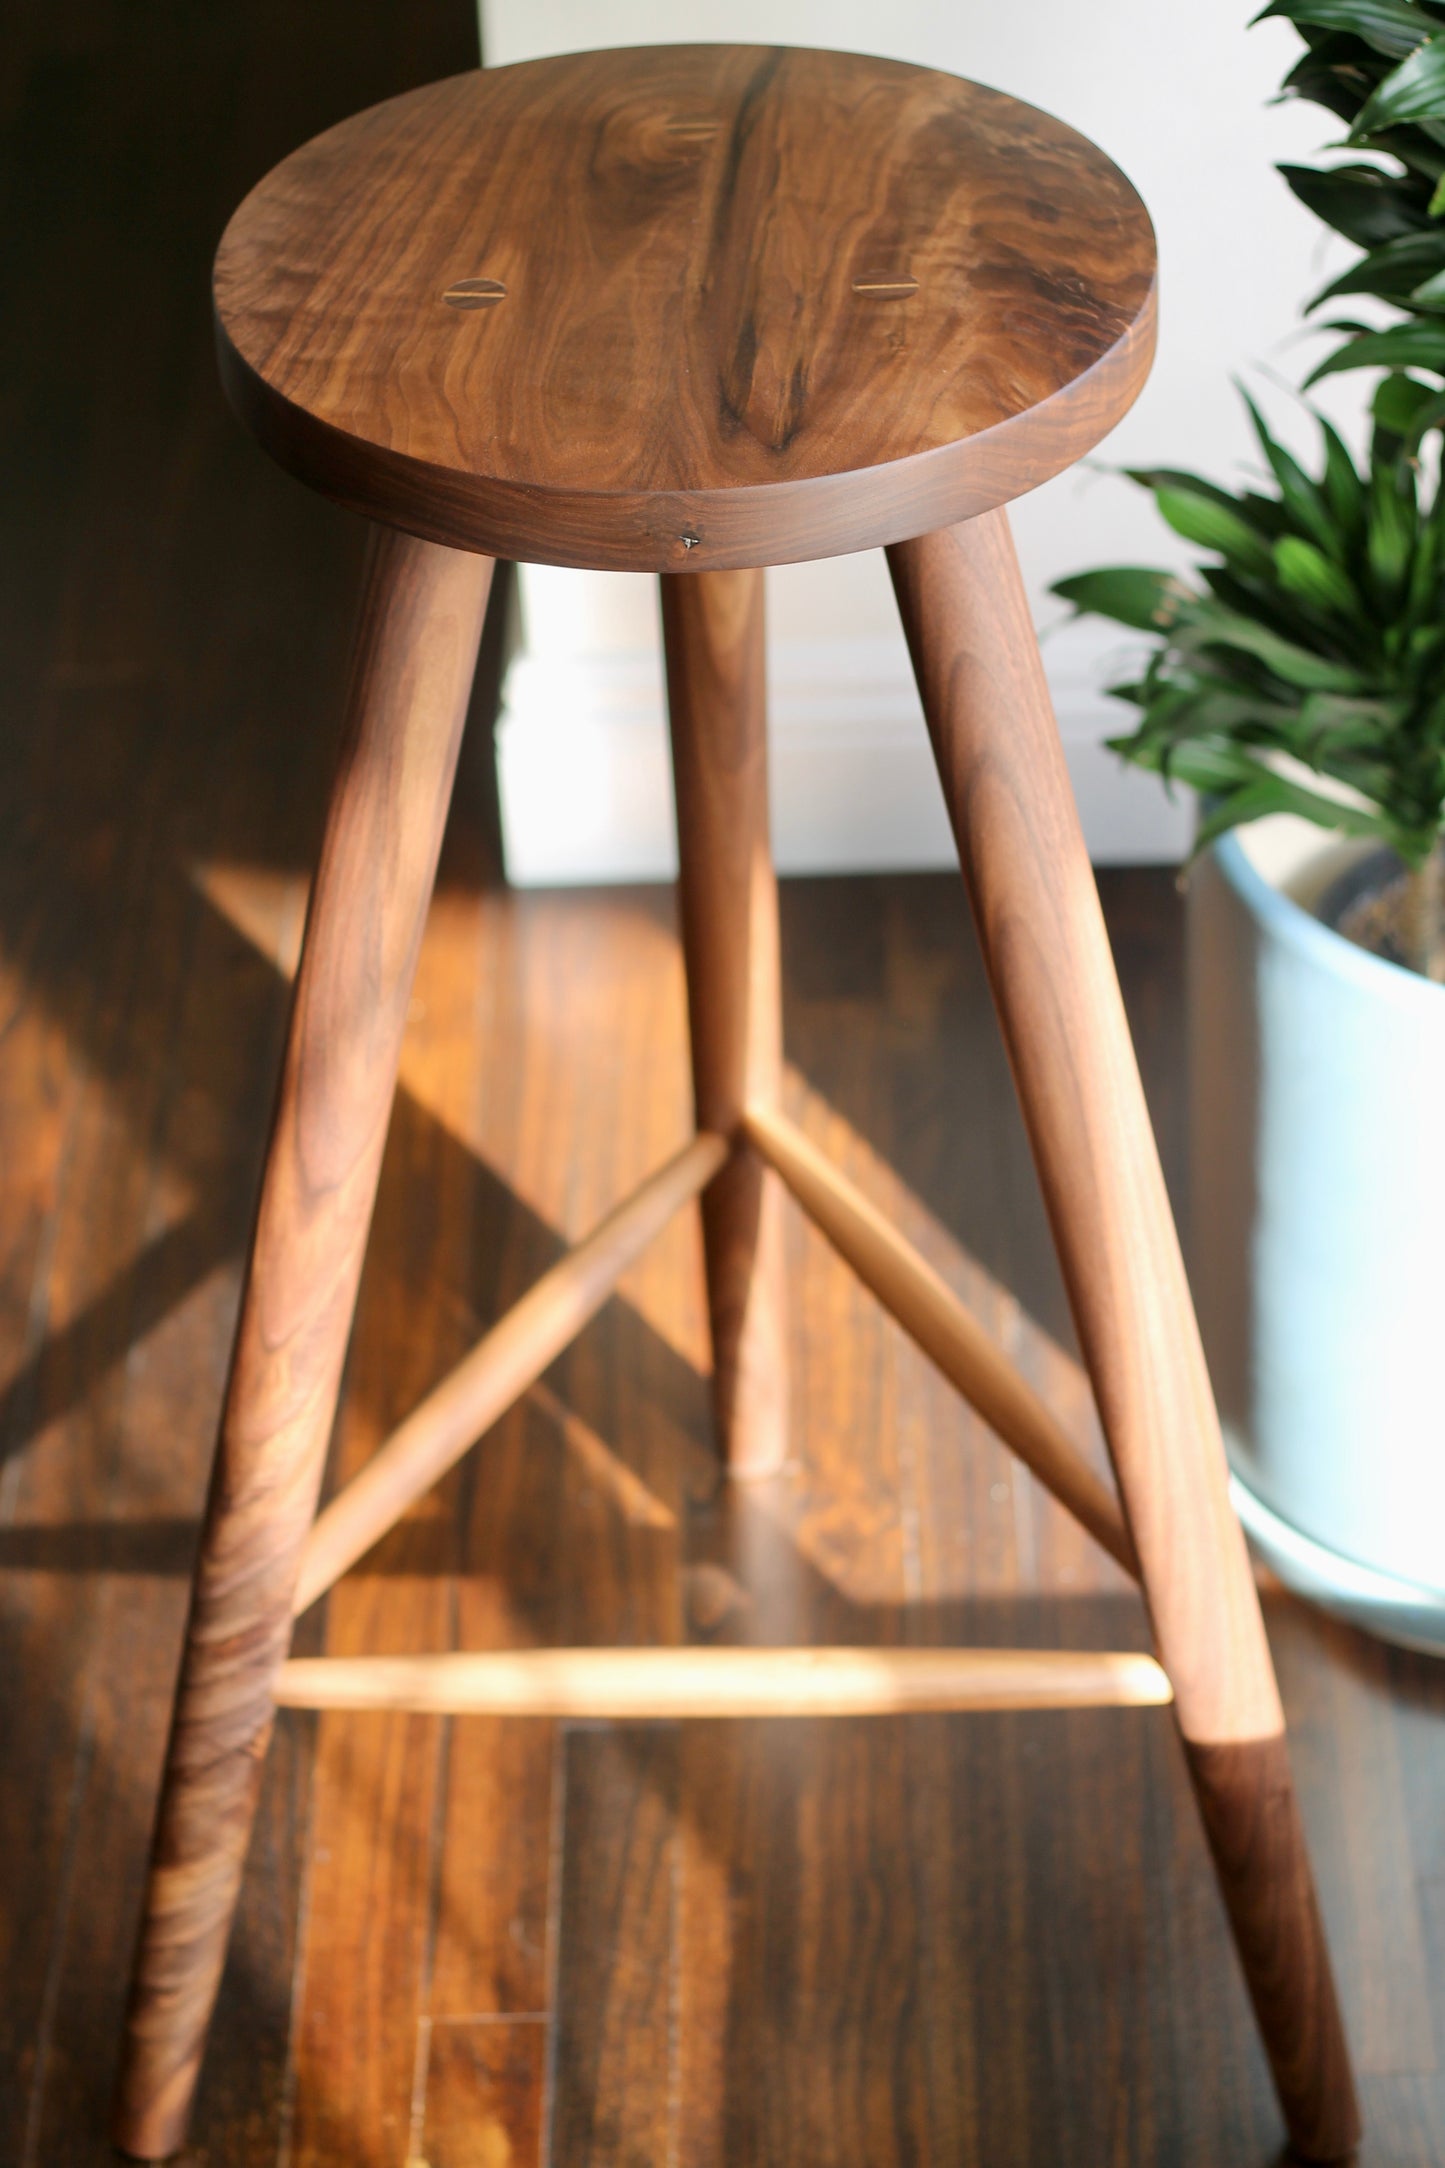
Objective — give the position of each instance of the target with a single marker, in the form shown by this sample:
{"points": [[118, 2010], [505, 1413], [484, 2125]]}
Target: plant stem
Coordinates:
{"points": [[1425, 916]]}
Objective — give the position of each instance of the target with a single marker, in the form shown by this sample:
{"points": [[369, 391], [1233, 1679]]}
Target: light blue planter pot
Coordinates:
{"points": [[1318, 1218]]}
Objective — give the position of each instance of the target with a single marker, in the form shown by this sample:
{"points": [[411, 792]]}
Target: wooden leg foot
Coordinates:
{"points": [[416, 647], [1047, 955], [713, 631], [1252, 1820]]}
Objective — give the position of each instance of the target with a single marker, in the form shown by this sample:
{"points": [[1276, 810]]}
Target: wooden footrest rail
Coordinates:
{"points": [[534, 1332], [633, 1684], [498, 1371], [934, 1318]]}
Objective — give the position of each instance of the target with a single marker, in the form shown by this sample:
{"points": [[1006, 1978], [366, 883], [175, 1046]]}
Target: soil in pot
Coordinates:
{"points": [[1394, 911]]}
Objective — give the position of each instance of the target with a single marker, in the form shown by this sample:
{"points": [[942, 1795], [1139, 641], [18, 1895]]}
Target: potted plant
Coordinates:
{"points": [[1297, 682]]}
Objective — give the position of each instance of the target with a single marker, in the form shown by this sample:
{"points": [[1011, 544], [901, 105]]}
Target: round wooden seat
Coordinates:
{"points": [[686, 307]]}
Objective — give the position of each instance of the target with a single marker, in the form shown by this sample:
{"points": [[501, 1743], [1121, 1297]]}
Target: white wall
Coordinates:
{"points": [[1177, 92]]}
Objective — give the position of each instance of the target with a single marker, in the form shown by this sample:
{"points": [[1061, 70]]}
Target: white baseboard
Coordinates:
{"points": [[586, 785]]}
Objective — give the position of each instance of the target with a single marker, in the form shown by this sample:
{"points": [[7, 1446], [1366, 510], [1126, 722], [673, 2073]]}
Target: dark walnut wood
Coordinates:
{"points": [[416, 647], [693, 306], [1048, 961], [728, 904]]}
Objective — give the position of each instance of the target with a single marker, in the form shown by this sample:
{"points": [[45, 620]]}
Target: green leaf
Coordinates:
{"points": [[1131, 595], [1264, 514], [1302, 497], [1363, 203], [1206, 625], [1339, 74], [1427, 417], [1306, 571], [1208, 764], [1269, 604], [1193, 707], [1390, 541], [1437, 201], [1424, 640], [1348, 722], [1403, 346], [1398, 399], [1244, 785], [1421, 147], [1343, 487], [1391, 26], [1270, 793], [1251, 801], [1392, 271], [1178, 478], [1213, 527], [1415, 91], [1430, 291]]}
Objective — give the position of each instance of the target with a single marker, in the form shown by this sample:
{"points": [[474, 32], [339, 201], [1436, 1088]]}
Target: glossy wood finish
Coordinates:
{"points": [[728, 904], [752, 305], [932, 1315], [498, 1371], [676, 1685], [416, 646], [1042, 933]]}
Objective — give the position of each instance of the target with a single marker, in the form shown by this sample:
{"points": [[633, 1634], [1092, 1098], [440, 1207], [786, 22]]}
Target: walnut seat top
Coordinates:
{"points": [[686, 307]]}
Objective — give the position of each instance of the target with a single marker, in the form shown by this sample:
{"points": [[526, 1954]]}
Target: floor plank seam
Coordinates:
{"points": [[60, 1930], [286, 2121], [556, 1839]]}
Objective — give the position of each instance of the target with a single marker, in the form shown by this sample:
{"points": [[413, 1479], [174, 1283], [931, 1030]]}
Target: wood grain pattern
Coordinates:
{"points": [[613, 2031], [1053, 980], [760, 305], [713, 633], [362, 1988], [416, 647], [484, 2092], [929, 1311], [512, 1356]]}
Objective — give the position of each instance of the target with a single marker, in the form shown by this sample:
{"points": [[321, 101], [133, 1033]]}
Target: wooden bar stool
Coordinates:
{"points": [[696, 311]]}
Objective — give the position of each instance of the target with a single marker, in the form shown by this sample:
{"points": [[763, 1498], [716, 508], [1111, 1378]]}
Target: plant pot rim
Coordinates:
{"points": [[1296, 928]]}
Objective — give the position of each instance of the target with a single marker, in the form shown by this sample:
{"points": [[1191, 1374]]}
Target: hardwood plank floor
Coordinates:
{"points": [[929, 1941]]}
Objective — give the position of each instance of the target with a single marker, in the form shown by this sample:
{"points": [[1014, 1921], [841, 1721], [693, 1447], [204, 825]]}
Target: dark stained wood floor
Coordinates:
{"points": [[939, 1941]]}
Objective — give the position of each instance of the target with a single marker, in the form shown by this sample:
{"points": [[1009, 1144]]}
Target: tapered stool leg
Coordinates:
{"points": [[716, 693], [1053, 981], [412, 667]]}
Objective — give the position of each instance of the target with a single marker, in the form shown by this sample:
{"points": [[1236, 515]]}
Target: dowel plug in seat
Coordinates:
{"points": [[696, 311]]}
